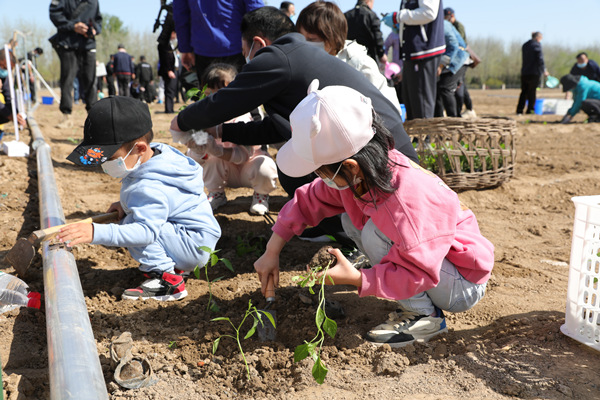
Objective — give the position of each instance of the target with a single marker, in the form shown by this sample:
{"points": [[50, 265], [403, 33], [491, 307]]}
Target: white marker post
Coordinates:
{"points": [[14, 148]]}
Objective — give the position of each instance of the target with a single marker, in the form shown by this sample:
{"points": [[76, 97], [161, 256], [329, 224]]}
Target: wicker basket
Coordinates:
{"points": [[466, 153]]}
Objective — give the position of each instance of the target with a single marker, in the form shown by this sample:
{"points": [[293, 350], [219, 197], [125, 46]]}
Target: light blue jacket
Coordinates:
{"points": [[168, 188], [585, 89], [456, 55]]}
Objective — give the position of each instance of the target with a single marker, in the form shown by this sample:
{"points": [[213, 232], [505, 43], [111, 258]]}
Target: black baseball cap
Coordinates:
{"points": [[110, 123]]}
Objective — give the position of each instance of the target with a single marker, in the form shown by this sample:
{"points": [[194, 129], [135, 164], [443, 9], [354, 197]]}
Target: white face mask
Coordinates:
{"points": [[250, 52], [117, 168], [329, 181]]}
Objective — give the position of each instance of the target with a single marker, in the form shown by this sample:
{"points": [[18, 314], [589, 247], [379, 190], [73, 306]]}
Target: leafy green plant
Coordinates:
{"points": [[194, 94], [251, 312], [213, 259], [431, 158], [172, 345], [249, 244], [324, 324]]}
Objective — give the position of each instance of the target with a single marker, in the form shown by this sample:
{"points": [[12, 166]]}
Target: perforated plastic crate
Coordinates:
{"points": [[582, 319]]}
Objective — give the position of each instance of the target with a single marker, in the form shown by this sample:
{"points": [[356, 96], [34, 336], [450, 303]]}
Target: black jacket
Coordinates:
{"points": [[364, 27], [591, 70], [6, 107], [278, 78], [533, 58], [64, 14], [143, 72]]}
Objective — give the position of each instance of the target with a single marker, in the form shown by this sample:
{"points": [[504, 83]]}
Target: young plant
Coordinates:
{"points": [[213, 259], [323, 323], [194, 94], [251, 312], [172, 345], [249, 244]]}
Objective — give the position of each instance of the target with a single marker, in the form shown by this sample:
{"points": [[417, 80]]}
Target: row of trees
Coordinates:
{"points": [[501, 61]]}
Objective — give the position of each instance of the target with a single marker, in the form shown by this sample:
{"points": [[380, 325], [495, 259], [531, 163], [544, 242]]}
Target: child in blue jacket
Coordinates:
{"points": [[165, 215]]}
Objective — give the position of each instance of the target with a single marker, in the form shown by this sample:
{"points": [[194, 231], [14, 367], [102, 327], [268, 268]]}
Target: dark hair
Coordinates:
{"points": [[267, 22], [13, 59], [326, 20], [39, 50], [535, 35], [142, 58], [583, 53], [214, 75], [285, 5], [373, 161]]}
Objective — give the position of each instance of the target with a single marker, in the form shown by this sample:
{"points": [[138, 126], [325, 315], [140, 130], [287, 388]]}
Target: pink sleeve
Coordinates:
{"points": [[311, 204]]}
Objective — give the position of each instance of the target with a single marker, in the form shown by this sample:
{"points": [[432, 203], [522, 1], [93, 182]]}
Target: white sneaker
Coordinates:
{"points": [[217, 199], [470, 114], [260, 204], [404, 327]]}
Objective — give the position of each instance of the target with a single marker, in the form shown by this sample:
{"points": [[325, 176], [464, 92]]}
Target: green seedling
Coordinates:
{"points": [[251, 312], [248, 244], [73, 140], [194, 94], [212, 260], [323, 323], [172, 345]]}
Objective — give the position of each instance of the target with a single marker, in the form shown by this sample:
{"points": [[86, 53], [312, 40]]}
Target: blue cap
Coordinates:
{"points": [[448, 11]]}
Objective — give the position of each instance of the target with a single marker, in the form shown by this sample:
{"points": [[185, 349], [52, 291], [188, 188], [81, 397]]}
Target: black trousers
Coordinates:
{"points": [[446, 89], [463, 97], [110, 82], [529, 84], [123, 84], [419, 87], [170, 93], [592, 108], [72, 61]]}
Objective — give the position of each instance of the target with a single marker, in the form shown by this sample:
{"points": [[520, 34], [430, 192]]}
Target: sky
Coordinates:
{"points": [[508, 20]]}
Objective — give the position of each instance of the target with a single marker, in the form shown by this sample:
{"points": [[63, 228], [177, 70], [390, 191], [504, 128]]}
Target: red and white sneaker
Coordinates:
{"points": [[165, 287], [260, 204]]}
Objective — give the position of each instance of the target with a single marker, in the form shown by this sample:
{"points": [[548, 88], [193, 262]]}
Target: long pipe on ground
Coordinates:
{"points": [[74, 367]]}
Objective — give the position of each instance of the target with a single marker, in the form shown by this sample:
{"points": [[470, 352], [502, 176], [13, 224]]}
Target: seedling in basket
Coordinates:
{"points": [[251, 312], [323, 323], [213, 259]]}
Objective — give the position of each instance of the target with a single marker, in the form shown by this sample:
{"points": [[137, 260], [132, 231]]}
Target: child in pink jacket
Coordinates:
{"points": [[425, 246], [230, 165]]}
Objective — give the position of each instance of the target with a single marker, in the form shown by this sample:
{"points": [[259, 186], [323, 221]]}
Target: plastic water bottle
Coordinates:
{"points": [[15, 293]]}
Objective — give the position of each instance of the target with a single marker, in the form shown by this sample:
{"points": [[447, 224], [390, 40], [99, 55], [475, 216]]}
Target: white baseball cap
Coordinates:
{"points": [[328, 126]]}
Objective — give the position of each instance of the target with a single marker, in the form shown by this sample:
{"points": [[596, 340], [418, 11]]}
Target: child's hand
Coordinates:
{"points": [[342, 273], [116, 206], [213, 148], [76, 234], [267, 265]]}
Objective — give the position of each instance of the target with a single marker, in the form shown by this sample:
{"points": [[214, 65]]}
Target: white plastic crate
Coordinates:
{"points": [[556, 106], [582, 319]]}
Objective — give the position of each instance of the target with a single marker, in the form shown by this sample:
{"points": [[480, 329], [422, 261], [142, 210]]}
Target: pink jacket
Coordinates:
{"points": [[423, 217]]}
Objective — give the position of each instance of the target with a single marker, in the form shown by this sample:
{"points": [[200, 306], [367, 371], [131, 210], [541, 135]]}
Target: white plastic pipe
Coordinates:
{"points": [[45, 84], [74, 367], [11, 83]]}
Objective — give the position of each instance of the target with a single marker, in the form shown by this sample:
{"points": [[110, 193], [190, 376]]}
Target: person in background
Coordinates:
{"points": [[323, 24], [419, 19], [78, 22], [168, 62], [123, 70], [531, 71], [586, 97], [230, 165], [462, 92], [6, 105], [364, 27], [145, 76], [425, 247], [110, 76], [393, 42], [32, 57], [451, 71], [219, 20], [288, 8], [586, 67]]}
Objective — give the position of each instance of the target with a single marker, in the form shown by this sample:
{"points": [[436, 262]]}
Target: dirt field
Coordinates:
{"points": [[508, 346]]}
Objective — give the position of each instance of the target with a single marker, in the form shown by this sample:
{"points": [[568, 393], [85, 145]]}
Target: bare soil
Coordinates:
{"points": [[508, 346]]}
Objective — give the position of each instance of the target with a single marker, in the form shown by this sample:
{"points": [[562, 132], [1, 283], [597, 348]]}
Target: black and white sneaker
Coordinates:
{"points": [[404, 327], [357, 258], [161, 287]]}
